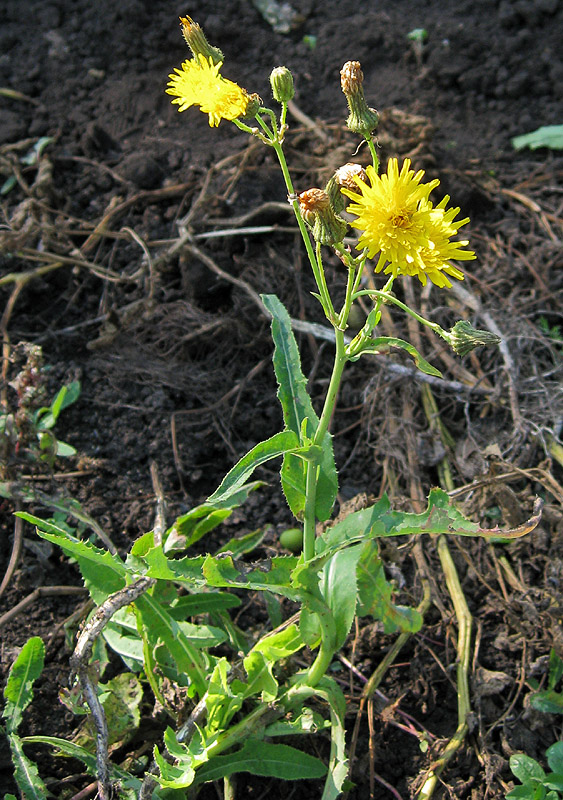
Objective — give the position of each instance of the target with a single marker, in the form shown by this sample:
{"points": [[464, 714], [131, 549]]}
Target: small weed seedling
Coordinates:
{"points": [[165, 612]]}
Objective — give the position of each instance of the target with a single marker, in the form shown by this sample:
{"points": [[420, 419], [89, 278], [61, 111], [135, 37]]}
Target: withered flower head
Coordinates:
{"points": [[317, 212], [343, 178], [362, 119]]}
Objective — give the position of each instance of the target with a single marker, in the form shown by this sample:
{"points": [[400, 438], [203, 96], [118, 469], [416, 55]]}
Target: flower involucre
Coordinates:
{"points": [[198, 83], [398, 221]]}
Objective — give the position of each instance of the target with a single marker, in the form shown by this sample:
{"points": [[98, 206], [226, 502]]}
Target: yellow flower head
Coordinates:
{"points": [[398, 221], [198, 83]]}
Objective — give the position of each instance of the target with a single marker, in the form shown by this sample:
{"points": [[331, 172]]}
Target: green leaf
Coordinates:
{"points": [[265, 759], [275, 446], [526, 769], [75, 547], [273, 575], [554, 780], [18, 692], [555, 669], [190, 527], [328, 690], [72, 750], [260, 661], [380, 521], [339, 590], [549, 702], [121, 706], [547, 136], [45, 418], [190, 605], [25, 772], [554, 755], [297, 407], [525, 792], [375, 595], [382, 345], [160, 625], [241, 545]]}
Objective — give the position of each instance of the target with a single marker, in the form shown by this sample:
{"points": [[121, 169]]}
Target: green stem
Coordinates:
{"points": [[386, 297], [309, 521], [374, 156]]}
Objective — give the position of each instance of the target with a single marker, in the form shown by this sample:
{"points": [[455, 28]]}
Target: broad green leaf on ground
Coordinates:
{"points": [[297, 407], [18, 692], [547, 136], [265, 759], [526, 768], [277, 445], [375, 595], [554, 755], [120, 698], [25, 772], [383, 343]]}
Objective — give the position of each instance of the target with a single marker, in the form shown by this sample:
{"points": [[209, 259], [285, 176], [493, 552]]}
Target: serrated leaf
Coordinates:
{"points": [[297, 407], [382, 345], [273, 575], [547, 136], [275, 446], [25, 772], [265, 759], [75, 547], [18, 692]]}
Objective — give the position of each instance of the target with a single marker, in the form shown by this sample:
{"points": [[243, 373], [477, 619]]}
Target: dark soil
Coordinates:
{"points": [[174, 354]]}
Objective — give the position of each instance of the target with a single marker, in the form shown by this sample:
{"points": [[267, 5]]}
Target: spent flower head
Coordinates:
{"points": [[317, 212], [400, 223], [362, 119], [198, 82]]}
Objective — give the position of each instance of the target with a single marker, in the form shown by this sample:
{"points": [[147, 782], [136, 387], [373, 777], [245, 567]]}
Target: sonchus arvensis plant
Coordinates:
{"points": [[239, 707]]}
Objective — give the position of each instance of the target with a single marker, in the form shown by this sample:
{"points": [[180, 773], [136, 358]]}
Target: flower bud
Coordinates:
{"points": [[344, 177], [463, 338], [196, 41], [317, 212], [281, 81], [361, 119]]}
